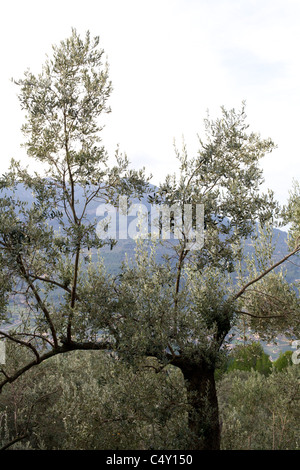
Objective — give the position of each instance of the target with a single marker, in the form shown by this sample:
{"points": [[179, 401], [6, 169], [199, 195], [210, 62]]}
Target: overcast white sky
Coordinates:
{"points": [[170, 61]]}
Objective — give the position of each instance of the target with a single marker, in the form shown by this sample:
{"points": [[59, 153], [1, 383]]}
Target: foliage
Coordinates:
{"points": [[250, 357], [260, 412], [92, 401], [291, 214], [283, 361], [178, 311]]}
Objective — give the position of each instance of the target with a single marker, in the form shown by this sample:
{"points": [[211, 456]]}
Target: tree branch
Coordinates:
{"points": [[264, 273], [259, 316], [66, 347], [23, 343], [14, 441], [50, 281], [40, 302]]}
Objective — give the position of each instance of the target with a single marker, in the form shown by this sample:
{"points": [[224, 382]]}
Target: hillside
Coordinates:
{"points": [[125, 247]]}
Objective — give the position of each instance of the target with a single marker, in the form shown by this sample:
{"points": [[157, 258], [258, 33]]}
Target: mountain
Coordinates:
{"points": [[125, 247]]}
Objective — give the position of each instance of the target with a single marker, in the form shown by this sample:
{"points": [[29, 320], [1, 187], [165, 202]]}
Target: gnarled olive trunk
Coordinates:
{"points": [[202, 397]]}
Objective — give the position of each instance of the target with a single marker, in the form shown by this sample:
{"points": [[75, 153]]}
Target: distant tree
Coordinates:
{"points": [[284, 360], [250, 357], [263, 364]]}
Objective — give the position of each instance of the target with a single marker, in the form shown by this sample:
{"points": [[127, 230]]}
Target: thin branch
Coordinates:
{"points": [[266, 294], [26, 433], [73, 293], [295, 264], [157, 370], [5, 374], [40, 302], [259, 316], [14, 441], [172, 351], [50, 281], [23, 343], [66, 347], [34, 335], [264, 273]]}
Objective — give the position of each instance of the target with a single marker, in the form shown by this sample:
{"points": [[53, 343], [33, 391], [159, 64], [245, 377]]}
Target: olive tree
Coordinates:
{"points": [[179, 311], [183, 310], [45, 244]]}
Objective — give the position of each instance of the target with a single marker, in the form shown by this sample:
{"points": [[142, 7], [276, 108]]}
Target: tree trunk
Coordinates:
{"points": [[204, 412]]}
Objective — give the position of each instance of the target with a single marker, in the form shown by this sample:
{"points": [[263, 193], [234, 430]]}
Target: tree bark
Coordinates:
{"points": [[204, 411]]}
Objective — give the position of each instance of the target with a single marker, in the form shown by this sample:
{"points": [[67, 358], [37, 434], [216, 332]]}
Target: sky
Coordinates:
{"points": [[170, 61]]}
